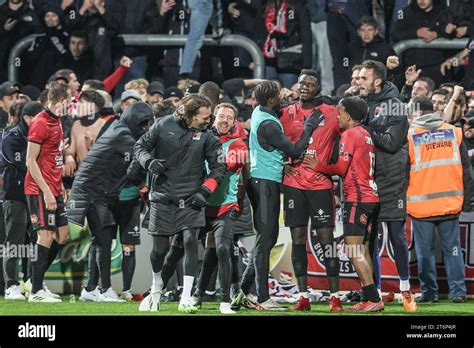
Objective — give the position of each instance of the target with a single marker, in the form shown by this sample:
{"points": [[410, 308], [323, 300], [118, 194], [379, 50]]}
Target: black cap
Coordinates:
{"points": [[173, 92], [56, 78], [31, 91], [469, 118], [8, 88], [31, 108], [192, 89], [155, 87]]}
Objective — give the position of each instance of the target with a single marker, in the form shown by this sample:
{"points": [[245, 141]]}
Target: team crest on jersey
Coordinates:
{"points": [[34, 218], [310, 140]]}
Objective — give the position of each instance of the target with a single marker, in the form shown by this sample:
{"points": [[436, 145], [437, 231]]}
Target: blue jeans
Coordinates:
{"points": [[449, 235], [201, 11], [287, 79]]}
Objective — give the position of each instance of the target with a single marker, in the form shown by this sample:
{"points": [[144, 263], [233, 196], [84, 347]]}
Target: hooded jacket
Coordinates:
{"points": [[103, 172], [14, 146], [377, 49], [388, 126], [432, 122]]}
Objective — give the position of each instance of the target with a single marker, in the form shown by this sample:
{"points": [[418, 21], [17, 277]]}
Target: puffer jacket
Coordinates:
{"points": [[388, 125], [103, 172], [185, 174]]}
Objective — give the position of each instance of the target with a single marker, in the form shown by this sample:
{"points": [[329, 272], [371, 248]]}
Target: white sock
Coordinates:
{"points": [[336, 295], [304, 294], [157, 281], [187, 286], [404, 285]]}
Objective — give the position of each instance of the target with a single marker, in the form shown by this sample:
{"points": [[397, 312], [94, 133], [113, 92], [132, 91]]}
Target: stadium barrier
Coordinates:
{"points": [[14, 60], [443, 44]]}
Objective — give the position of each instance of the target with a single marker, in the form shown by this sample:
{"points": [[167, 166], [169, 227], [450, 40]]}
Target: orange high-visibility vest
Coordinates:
{"points": [[436, 185]]}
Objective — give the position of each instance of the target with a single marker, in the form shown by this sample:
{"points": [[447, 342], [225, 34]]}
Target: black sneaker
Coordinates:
{"points": [[458, 299], [170, 296]]}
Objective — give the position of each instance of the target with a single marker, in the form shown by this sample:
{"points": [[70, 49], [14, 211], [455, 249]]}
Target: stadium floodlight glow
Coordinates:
{"points": [[14, 62]]}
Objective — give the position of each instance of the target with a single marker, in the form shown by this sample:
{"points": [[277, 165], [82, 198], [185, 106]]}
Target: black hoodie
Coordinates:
{"points": [[377, 49], [103, 172]]}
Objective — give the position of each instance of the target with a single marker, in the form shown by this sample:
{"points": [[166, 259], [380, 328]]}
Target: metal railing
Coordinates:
{"points": [[444, 44], [154, 40]]}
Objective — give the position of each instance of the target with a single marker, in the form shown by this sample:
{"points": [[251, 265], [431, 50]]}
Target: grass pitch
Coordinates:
{"points": [[74, 307]]}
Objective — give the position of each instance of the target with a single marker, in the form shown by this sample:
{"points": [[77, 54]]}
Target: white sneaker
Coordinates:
{"points": [[126, 295], [225, 308], [49, 292], [109, 296], [270, 305], [27, 288], [42, 296], [14, 293], [90, 296], [151, 302]]}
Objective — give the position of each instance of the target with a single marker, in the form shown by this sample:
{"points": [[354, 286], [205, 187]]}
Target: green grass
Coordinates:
{"points": [[211, 308]]}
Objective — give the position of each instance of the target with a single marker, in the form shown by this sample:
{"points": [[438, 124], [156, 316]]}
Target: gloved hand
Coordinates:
{"points": [[156, 166], [198, 199], [313, 121]]}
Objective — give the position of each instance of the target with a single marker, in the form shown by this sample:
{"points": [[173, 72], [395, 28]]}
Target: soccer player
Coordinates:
{"points": [[43, 187], [175, 151], [268, 148], [308, 196], [356, 166]]}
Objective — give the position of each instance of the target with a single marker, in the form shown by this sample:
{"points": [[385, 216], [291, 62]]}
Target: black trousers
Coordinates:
{"points": [[265, 198]]}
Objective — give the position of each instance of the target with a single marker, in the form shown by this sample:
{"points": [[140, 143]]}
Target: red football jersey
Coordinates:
{"points": [[47, 131], [321, 144], [356, 165]]}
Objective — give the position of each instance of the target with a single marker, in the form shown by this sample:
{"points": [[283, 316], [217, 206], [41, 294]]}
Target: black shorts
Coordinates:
{"points": [[43, 219], [222, 227], [300, 205], [127, 218], [359, 218]]}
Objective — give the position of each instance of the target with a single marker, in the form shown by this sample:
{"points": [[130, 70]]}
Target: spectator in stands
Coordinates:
{"points": [[174, 94], [416, 85], [244, 16], [139, 85], [49, 49], [368, 44], [456, 106], [427, 20], [154, 92], [201, 11], [79, 57], [163, 108], [128, 98], [64, 5], [9, 96], [343, 17], [439, 99], [17, 20], [287, 25], [434, 202], [459, 16], [101, 23], [458, 60], [136, 17], [322, 59]]}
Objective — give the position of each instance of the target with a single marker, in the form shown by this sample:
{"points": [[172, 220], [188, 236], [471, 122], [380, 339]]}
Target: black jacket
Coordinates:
{"points": [[14, 146], [84, 67], [184, 152], [415, 18], [46, 54], [377, 49], [388, 126], [103, 172]]}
